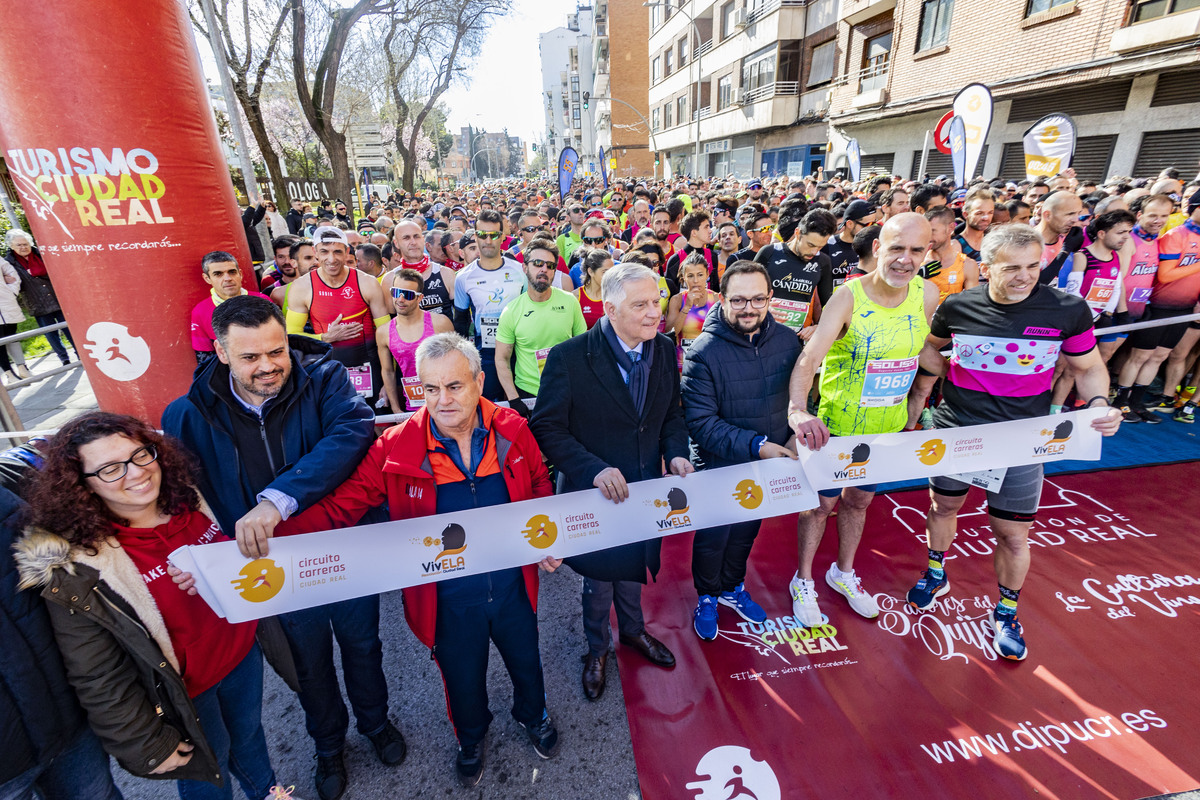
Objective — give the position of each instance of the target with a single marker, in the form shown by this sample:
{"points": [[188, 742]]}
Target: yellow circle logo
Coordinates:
{"points": [[748, 494], [259, 581], [540, 531], [931, 452]]}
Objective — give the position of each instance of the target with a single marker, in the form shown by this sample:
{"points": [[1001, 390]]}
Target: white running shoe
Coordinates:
{"points": [[804, 602], [850, 587]]}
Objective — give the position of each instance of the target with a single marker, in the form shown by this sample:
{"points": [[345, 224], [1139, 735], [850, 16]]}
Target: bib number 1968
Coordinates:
{"points": [[887, 381]]}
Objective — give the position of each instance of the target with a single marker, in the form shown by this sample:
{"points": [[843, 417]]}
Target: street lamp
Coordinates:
{"points": [[665, 4]]}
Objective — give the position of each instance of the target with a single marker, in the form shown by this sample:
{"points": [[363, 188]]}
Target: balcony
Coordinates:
{"points": [[776, 89], [814, 105], [701, 113], [865, 88], [855, 12]]}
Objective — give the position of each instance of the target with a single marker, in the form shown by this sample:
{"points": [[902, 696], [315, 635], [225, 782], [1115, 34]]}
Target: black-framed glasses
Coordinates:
{"points": [[486, 235], [111, 473], [575, 210], [540, 263], [593, 239], [740, 303], [406, 294]]}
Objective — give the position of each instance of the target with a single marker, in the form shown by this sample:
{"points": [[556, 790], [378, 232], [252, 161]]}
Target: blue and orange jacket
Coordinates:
{"points": [[397, 471]]}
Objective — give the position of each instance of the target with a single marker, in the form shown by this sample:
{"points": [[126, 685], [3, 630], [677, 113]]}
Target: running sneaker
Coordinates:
{"points": [[1148, 416], [543, 736], [1160, 403], [704, 618], [1183, 415], [740, 601], [804, 602], [927, 591], [850, 587], [1129, 415], [1007, 636]]}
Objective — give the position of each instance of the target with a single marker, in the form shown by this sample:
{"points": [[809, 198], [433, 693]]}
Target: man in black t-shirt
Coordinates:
{"points": [[859, 214], [1005, 338], [797, 266]]}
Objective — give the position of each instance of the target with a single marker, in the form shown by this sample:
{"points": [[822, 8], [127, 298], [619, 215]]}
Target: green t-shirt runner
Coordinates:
{"points": [[532, 328]]}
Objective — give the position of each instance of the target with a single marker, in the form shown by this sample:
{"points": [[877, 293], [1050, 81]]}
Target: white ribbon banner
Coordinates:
{"points": [[318, 568]]}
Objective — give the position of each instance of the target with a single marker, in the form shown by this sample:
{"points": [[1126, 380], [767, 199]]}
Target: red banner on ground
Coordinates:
{"points": [[919, 705]]}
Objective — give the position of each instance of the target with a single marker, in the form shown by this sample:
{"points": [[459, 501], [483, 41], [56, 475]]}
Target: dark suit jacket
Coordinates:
{"points": [[585, 422]]}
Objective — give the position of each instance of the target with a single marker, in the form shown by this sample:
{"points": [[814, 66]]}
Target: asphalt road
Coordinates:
{"points": [[595, 757]]}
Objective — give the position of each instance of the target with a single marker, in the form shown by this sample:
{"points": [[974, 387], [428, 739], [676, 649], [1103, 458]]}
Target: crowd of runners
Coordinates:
{"points": [[631, 331]]}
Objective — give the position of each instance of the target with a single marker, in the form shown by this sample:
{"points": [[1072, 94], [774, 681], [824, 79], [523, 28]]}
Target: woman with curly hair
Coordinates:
{"points": [[172, 690]]}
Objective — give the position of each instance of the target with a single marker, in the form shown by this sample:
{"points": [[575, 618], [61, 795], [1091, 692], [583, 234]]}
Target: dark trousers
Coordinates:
{"points": [[461, 648], [80, 770], [719, 556], [310, 634], [53, 337], [598, 598], [5, 361]]}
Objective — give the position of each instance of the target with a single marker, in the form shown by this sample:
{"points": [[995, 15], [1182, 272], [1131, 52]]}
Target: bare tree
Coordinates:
{"points": [[426, 51], [317, 89], [249, 47]]}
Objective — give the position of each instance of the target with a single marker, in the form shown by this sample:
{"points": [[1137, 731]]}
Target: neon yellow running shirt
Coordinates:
{"points": [[867, 373]]}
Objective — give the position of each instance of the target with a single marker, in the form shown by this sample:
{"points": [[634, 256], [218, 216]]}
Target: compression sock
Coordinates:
{"points": [[935, 563], [1055, 409], [1137, 396], [1008, 601], [1122, 397]]}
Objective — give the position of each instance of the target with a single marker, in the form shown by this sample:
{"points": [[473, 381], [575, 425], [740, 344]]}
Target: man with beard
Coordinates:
{"points": [[867, 345], [532, 324], [639, 218], [660, 223], [283, 270], [978, 210]]}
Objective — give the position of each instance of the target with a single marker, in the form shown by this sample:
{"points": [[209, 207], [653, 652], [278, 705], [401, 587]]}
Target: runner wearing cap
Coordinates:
{"points": [[859, 214], [1006, 336], [797, 266], [345, 306]]}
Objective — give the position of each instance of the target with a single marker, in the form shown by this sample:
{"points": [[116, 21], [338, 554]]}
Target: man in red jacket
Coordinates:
{"points": [[458, 452]]}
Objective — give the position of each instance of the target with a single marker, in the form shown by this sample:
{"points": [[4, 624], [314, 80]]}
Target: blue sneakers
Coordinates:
{"points": [[739, 600], [1007, 639], [927, 591], [704, 618]]}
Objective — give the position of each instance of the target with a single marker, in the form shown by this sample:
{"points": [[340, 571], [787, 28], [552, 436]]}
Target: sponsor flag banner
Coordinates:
{"points": [[889, 457], [603, 168], [974, 104], [854, 159], [313, 569], [958, 150], [1049, 146], [568, 160], [317, 568]]}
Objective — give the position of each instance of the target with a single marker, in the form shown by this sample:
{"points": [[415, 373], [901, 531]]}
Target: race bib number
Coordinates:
{"points": [[360, 379], [989, 480], [791, 313], [542, 355], [887, 382], [487, 331], [414, 392], [1140, 294], [1100, 293]]}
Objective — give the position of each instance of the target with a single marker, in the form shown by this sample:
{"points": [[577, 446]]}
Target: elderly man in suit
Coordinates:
{"points": [[608, 414]]}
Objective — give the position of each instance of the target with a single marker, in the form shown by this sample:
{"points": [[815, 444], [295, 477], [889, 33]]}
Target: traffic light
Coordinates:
{"points": [[656, 161], [586, 97], [535, 147]]}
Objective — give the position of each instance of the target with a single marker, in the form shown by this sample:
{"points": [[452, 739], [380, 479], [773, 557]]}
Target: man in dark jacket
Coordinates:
{"points": [[276, 425], [735, 397], [608, 413], [45, 739], [251, 216], [295, 218]]}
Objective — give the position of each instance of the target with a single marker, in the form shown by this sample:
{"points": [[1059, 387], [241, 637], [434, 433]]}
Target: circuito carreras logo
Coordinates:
{"points": [[732, 773], [748, 494], [1057, 444], [540, 531], [859, 457], [931, 452], [259, 580], [450, 559], [677, 517]]}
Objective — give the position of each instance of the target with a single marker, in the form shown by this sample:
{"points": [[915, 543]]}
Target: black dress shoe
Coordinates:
{"points": [[469, 765], [389, 745], [593, 675], [651, 648], [330, 777]]}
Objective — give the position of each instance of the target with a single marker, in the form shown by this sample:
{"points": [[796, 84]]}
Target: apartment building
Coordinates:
{"points": [[622, 125], [1125, 71], [746, 79], [567, 72]]}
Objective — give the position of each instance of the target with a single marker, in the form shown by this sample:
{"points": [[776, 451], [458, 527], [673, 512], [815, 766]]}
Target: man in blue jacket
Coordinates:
{"points": [[735, 397], [276, 425]]}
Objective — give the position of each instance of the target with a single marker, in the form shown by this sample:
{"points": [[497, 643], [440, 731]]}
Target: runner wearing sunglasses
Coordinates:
{"points": [[398, 341]]}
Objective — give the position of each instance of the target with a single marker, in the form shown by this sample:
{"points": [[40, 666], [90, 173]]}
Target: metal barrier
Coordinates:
{"points": [[8, 412], [391, 419]]}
